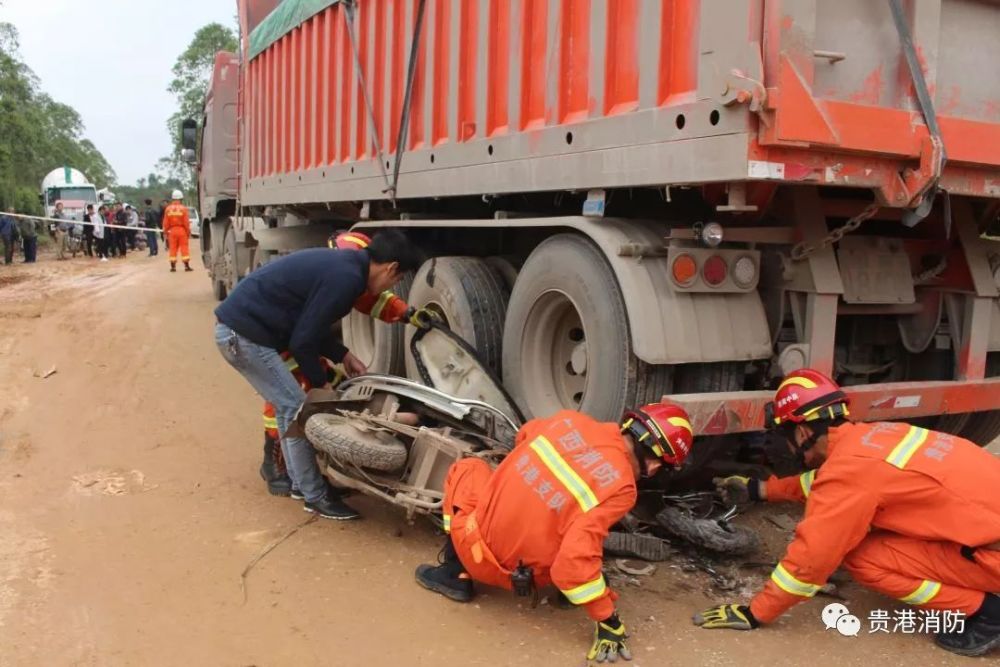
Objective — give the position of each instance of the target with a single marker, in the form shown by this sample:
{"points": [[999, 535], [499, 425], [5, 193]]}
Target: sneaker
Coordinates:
{"points": [[331, 508], [295, 494], [104, 259], [441, 580]]}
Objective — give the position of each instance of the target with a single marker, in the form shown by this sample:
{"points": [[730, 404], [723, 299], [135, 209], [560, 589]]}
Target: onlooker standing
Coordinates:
{"points": [[164, 203], [121, 239], [8, 232], [152, 219], [100, 233], [110, 241], [133, 222], [62, 230], [29, 238], [88, 231]]}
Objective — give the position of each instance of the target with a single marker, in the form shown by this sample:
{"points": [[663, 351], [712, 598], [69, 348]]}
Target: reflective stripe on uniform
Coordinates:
{"points": [[587, 592], [786, 582], [270, 422], [383, 299], [806, 480], [907, 447], [925, 593], [564, 473], [446, 520]]}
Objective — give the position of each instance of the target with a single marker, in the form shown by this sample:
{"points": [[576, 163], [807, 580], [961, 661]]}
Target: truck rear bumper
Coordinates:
{"points": [[743, 411]]}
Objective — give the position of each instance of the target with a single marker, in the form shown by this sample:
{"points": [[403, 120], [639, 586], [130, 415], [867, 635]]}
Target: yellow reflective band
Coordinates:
{"points": [[681, 422], [806, 481], [271, 422], [907, 447], [564, 473], [291, 364], [786, 582], [356, 240], [446, 520], [587, 592], [925, 593], [383, 299], [798, 382], [658, 450]]}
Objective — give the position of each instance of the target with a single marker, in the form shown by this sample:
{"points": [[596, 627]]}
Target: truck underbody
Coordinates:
{"points": [[575, 237]]}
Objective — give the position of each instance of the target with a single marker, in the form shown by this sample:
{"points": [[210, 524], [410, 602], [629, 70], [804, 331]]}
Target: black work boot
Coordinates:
{"points": [[331, 507], [278, 481], [981, 633], [173, 267], [187, 266], [449, 579]]}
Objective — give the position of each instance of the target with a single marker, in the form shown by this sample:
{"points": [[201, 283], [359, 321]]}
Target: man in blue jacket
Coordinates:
{"points": [[291, 304]]}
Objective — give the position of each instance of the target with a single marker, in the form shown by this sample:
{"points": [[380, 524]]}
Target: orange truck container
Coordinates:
{"points": [[626, 199]]}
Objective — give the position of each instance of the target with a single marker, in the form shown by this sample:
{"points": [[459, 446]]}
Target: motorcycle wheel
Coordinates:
{"points": [[707, 533], [356, 444]]}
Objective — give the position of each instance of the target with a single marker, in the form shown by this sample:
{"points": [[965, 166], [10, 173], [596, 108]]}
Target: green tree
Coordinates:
{"points": [[38, 133], [192, 73]]}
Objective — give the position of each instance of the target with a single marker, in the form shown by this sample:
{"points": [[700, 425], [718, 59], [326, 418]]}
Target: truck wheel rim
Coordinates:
{"points": [[555, 354]]}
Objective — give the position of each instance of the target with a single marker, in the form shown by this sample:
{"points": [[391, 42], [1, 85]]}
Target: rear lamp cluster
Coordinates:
{"points": [[742, 270]]}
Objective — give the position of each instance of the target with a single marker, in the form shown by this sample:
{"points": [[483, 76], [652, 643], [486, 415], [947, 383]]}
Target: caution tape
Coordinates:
{"points": [[73, 221]]}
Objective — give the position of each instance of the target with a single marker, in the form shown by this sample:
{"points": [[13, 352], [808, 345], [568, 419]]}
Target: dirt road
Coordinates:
{"points": [[130, 504]]}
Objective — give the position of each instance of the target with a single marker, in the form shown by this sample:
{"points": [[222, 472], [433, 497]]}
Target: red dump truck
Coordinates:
{"points": [[626, 199]]}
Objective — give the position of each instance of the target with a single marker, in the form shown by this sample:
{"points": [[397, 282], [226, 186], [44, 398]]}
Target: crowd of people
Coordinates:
{"points": [[109, 232]]}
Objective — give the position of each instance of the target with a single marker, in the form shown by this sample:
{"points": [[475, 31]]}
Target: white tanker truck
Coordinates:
{"points": [[69, 186]]}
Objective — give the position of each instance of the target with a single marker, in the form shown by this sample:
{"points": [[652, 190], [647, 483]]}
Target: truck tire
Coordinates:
{"points": [[567, 343], [709, 377], [377, 344], [983, 428], [708, 534], [471, 299], [354, 444]]}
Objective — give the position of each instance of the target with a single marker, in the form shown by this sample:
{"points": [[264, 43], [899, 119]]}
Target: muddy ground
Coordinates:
{"points": [[130, 504]]}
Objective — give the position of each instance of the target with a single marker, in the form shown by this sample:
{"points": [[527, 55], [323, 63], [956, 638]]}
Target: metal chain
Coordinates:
{"points": [[802, 250], [931, 273]]}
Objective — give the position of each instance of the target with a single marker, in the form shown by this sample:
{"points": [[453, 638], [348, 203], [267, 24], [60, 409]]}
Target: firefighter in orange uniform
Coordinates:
{"points": [[910, 513], [177, 228], [386, 307], [541, 517]]}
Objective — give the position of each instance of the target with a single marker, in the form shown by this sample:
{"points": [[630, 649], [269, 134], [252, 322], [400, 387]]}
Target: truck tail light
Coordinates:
{"points": [[683, 270], [714, 271], [744, 272]]}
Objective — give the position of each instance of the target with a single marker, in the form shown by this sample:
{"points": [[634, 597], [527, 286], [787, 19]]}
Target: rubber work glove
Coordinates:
{"points": [[609, 641], [728, 616], [737, 490], [421, 318]]}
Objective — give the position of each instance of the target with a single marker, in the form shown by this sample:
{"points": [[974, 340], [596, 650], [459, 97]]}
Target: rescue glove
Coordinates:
{"points": [[609, 641], [421, 318], [729, 616], [737, 490]]}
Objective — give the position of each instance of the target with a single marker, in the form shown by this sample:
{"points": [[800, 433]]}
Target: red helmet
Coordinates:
{"points": [[806, 395], [663, 427], [349, 241]]}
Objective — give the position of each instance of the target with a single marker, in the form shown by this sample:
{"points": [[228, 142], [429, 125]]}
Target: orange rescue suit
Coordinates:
{"points": [[549, 504], [177, 227], [910, 513]]}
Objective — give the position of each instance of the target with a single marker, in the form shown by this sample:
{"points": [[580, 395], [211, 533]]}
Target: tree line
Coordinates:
{"points": [[38, 133]]}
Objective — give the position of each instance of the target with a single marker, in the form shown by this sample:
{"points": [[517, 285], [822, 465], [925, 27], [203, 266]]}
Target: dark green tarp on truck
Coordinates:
{"points": [[286, 17]]}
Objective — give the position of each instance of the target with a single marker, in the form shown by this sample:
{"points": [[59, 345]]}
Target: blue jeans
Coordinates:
{"points": [[266, 372], [152, 244]]}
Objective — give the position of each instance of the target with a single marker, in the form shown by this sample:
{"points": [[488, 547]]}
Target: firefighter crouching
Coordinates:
{"points": [[541, 517], [910, 513]]}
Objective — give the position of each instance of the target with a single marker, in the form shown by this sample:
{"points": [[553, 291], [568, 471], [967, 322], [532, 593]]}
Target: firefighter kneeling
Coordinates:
{"points": [[910, 513], [541, 517]]}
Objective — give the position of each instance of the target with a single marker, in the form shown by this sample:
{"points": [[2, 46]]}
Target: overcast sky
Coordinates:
{"points": [[111, 60]]}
